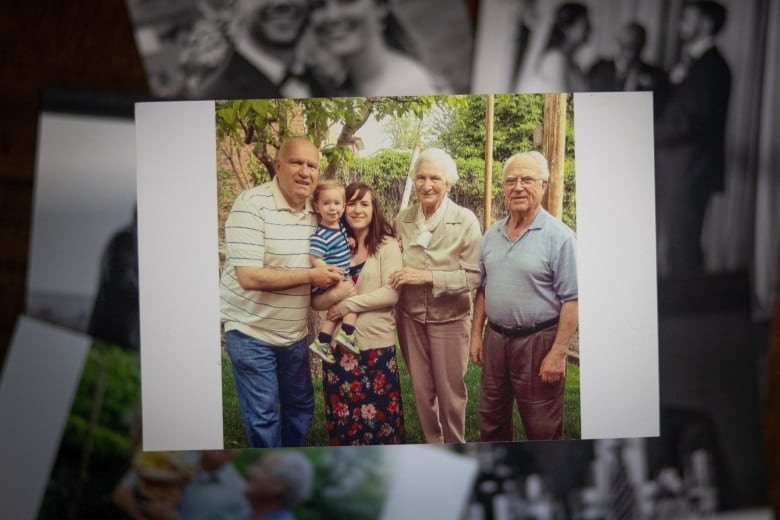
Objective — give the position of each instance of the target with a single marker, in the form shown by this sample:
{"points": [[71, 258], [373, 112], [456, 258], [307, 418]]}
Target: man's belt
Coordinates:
{"points": [[521, 332]]}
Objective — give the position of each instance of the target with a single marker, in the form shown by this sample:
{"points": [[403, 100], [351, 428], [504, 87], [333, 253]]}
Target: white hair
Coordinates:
{"points": [[440, 157], [295, 468], [537, 157]]}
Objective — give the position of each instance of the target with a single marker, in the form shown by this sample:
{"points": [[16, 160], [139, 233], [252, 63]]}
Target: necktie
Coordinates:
{"points": [[622, 500]]}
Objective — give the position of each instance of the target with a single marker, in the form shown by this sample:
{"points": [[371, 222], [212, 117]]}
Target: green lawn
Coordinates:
{"points": [[235, 436]]}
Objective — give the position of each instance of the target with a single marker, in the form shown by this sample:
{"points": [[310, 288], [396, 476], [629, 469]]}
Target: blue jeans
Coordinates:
{"points": [[274, 390]]}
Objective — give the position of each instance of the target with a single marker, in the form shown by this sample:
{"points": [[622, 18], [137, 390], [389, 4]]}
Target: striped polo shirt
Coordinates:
{"points": [[262, 230]]}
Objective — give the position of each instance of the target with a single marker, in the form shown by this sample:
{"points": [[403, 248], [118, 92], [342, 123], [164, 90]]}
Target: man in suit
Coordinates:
{"points": [[262, 61], [690, 139], [627, 71]]}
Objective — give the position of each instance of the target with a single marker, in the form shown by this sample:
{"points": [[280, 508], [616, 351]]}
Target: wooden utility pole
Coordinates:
{"points": [[488, 162], [554, 149]]}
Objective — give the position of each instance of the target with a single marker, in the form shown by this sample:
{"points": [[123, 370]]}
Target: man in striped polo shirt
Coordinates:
{"points": [[265, 296]]}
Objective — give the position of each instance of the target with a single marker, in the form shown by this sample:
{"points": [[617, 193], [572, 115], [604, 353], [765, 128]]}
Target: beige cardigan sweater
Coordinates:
{"points": [[452, 257], [374, 300]]}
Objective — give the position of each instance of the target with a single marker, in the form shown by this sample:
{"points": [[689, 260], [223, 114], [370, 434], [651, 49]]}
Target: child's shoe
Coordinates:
{"points": [[322, 350], [348, 341]]}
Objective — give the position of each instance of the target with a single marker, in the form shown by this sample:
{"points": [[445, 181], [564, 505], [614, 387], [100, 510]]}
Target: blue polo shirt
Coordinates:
{"points": [[527, 281]]}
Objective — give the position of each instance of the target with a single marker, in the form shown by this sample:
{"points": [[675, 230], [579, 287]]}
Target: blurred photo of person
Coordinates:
{"points": [[554, 68], [276, 483], [354, 33], [690, 139], [115, 315], [626, 71], [214, 489], [263, 37]]}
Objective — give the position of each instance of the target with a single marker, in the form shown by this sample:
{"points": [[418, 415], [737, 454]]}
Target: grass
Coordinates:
{"points": [[235, 436]]}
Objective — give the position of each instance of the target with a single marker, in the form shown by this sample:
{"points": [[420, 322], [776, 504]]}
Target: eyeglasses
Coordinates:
{"points": [[525, 182]]}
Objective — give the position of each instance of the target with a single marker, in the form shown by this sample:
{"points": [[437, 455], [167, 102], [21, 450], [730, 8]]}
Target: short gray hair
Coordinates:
{"points": [[440, 157], [295, 468], [537, 157]]}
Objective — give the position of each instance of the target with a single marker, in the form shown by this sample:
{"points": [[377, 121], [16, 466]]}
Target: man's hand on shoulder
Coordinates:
{"points": [[325, 276]]}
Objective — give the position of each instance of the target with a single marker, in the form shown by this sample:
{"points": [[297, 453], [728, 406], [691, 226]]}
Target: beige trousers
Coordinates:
{"points": [[437, 356]]}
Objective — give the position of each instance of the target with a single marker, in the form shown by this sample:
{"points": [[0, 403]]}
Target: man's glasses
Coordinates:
{"points": [[525, 182]]}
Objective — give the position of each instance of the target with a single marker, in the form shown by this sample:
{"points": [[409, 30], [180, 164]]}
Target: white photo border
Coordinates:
{"points": [[179, 279]]}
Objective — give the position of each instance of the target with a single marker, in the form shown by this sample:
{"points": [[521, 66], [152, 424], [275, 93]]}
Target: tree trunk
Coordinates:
{"points": [[346, 137], [554, 149], [487, 217]]}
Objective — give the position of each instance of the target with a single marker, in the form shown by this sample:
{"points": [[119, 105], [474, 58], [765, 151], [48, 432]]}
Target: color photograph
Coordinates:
{"points": [[285, 349], [368, 387]]}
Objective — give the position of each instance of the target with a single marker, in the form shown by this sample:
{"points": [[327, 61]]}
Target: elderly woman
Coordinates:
{"points": [[440, 242], [363, 393]]}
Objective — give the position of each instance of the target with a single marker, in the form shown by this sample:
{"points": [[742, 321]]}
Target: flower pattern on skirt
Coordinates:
{"points": [[363, 398]]}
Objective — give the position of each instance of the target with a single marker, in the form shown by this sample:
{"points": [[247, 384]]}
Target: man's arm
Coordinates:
{"points": [[553, 365], [267, 279], [477, 325]]}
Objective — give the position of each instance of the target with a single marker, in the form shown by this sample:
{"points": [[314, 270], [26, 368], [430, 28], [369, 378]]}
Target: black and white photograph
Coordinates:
{"points": [[83, 269], [241, 49]]}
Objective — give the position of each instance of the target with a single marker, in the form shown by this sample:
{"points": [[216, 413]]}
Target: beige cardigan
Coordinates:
{"points": [[452, 257], [374, 300]]}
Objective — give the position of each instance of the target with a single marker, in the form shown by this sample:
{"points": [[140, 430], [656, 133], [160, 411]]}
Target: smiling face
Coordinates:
{"points": [[430, 186], [346, 26], [297, 169], [360, 211], [523, 186], [330, 206], [275, 22]]}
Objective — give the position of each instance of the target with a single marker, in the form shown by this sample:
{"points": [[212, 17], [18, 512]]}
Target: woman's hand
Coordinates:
{"points": [[344, 289], [410, 276]]}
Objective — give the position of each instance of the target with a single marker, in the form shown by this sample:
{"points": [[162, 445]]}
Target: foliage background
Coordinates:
{"points": [[250, 131]]}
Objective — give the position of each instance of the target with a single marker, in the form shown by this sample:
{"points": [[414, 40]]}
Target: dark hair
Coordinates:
{"points": [[379, 227], [567, 15], [714, 11], [639, 32]]}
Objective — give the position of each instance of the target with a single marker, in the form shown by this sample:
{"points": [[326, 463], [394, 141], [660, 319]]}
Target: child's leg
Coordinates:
{"points": [[348, 322], [326, 331]]}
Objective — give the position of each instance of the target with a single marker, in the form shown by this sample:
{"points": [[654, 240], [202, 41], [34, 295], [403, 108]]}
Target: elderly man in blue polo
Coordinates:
{"points": [[528, 297]]}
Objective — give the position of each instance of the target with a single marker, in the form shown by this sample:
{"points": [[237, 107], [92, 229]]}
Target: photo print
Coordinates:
{"points": [[188, 144], [237, 49], [83, 270]]}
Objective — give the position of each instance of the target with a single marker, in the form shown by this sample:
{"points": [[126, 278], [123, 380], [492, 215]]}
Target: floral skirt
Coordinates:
{"points": [[363, 398]]}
